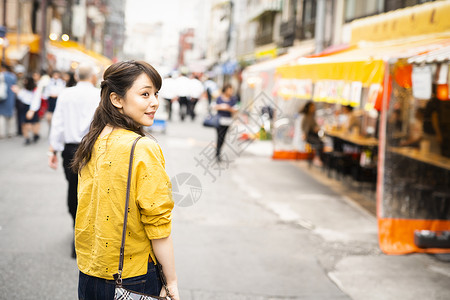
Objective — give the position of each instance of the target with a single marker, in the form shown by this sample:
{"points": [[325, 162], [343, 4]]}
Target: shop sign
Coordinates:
{"points": [[272, 53], [374, 92], [294, 88], [355, 97], [338, 91], [421, 82]]}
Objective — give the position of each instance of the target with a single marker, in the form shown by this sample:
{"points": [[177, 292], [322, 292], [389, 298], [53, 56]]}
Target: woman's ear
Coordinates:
{"points": [[116, 100]]}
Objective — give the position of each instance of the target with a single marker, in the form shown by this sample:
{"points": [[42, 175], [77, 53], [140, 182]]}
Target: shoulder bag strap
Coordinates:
{"points": [[118, 276]]}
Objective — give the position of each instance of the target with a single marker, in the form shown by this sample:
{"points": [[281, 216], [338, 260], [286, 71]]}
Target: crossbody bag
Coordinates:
{"points": [[122, 293]]}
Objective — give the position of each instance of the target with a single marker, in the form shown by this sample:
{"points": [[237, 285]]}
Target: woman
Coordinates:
{"points": [[128, 102], [69, 79], [52, 90], [311, 129], [30, 102], [225, 106]]}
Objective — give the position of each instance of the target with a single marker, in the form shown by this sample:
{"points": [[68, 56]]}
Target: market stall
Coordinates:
{"points": [[414, 194], [20, 48], [257, 92], [66, 56], [366, 77]]}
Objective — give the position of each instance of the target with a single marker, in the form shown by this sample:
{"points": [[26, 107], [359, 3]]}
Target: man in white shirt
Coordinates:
{"points": [[196, 92], [73, 114], [183, 93], [168, 92]]}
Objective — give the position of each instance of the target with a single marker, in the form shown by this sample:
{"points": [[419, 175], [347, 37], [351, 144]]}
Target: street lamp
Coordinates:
{"points": [[65, 37], [53, 36]]}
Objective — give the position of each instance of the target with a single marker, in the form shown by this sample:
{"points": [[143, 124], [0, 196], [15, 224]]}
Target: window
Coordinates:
{"points": [[355, 9], [307, 27], [396, 4]]}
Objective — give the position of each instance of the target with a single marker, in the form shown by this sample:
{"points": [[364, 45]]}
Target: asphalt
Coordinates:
{"points": [[255, 229]]}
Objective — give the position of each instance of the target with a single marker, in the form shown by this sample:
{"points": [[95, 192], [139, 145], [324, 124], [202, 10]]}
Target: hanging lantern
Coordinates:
{"points": [[442, 92]]}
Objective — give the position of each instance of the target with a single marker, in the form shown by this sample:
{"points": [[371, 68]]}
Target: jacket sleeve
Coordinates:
{"points": [[153, 190]]}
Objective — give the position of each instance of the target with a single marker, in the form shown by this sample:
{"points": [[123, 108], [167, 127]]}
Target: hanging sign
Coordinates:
{"points": [[355, 96], [421, 82]]}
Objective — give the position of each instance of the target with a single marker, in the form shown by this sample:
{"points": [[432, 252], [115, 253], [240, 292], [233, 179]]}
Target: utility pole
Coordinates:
{"points": [[4, 13], [43, 35], [320, 26], [3, 33]]}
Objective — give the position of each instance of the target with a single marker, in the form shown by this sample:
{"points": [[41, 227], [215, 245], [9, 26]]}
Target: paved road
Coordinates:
{"points": [[261, 229]]}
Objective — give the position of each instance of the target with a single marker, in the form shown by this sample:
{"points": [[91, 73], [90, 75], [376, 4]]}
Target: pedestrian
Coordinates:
{"points": [[7, 100], [52, 91], [42, 80], [30, 104], [226, 107], [310, 130], [168, 93], [71, 119], [19, 70], [196, 92], [69, 79], [128, 103], [183, 93], [210, 88]]}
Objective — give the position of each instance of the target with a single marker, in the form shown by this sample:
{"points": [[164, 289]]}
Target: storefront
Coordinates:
{"points": [[258, 89], [66, 56], [414, 184], [21, 49], [381, 84]]}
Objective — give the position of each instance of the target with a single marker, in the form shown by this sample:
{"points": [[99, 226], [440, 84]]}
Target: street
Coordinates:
{"points": [[261, 229]]}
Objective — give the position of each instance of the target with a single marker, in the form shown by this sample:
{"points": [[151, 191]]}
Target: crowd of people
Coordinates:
{"points": [[187, 90], [29, 97]]}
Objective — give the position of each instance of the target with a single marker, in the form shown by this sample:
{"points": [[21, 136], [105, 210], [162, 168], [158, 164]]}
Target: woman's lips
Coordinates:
{"points": [[150, 114]]}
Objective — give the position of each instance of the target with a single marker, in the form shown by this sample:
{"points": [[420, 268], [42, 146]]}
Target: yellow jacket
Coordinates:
{"points": [[101, 205]]}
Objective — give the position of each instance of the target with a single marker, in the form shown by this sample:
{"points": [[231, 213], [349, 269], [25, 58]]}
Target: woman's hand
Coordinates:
{"points": [[29, 115], [173, 292], [15, 88], [224, 107]]}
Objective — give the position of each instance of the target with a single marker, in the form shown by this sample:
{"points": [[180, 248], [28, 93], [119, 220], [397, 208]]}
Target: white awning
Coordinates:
{"points": [[436, 56]]}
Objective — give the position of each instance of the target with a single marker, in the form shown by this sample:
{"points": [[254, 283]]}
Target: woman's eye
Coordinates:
{"points": [[145, 94], [156, 94]]}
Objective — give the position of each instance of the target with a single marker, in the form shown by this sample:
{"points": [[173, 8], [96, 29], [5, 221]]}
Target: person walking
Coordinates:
{"points": [[30, 104], [128, 103], [310, 130], [73, 114], [19, 70], [210, 87], [7, 101], [196, 91], [54, 87], [183, 93], [168, 93], [225, 106]]}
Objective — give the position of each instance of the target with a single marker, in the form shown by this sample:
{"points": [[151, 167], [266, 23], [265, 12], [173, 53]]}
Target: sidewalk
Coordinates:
{"points": [[307, 198]]}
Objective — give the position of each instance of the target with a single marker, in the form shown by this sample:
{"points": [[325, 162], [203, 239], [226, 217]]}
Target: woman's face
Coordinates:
{"points": [[229, 92], [141, 101]]}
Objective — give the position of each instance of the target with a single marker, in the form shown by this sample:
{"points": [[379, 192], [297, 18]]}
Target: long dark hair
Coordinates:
{"points": [[118, 78], [30, 84], [305, 110]]}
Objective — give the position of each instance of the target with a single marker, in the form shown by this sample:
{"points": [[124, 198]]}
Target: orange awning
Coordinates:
{"points": [[24, 39], [19, 46], [74, 46]]}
